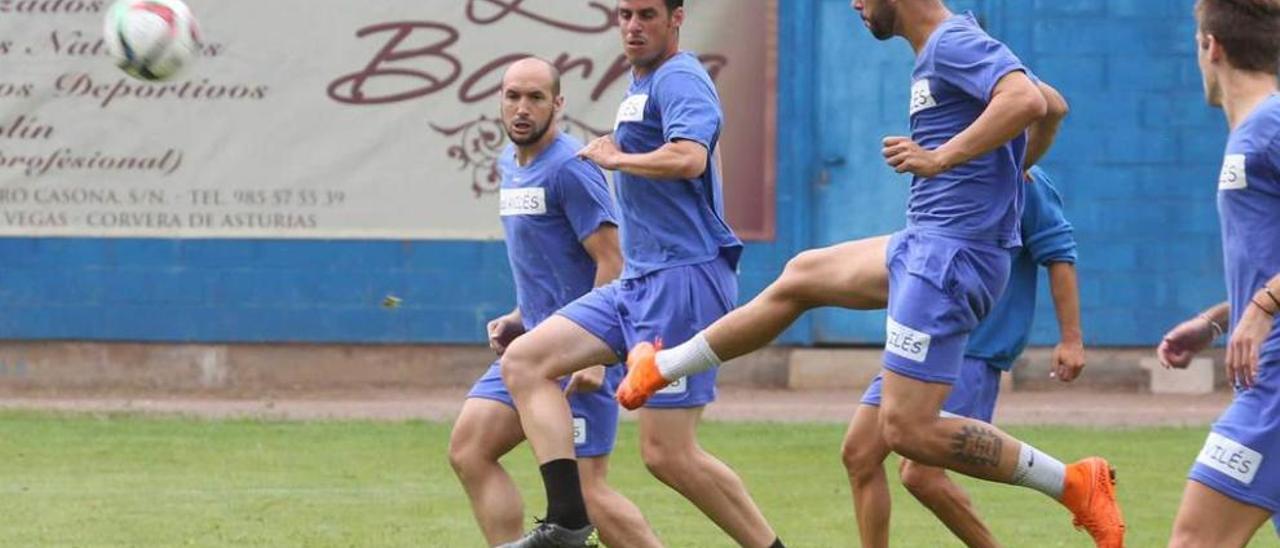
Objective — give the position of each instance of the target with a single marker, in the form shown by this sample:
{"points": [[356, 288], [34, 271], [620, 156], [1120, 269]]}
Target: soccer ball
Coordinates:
{"points": [[151, 39]]}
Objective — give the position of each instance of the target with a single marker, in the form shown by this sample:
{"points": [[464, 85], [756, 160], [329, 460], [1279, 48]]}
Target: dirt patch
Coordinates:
{"points": [[735, 404]]}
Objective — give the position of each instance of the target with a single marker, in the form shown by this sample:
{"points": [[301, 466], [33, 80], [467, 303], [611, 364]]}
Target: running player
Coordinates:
{"points": [[1234, 485], [973, 109], [562, 240], [679, 277], [993, 346]]}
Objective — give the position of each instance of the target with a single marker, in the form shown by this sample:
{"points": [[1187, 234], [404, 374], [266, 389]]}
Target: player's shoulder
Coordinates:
{"points": [[564, 162], [961, 34], [682, 61], [1269, 126], [684, 67], [1260, 132]]}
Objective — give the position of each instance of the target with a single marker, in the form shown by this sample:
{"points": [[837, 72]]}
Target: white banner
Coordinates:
{"points": [[319, 118]]}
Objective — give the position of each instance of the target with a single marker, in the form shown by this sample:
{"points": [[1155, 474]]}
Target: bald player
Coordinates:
{"points": [[562, 240]]}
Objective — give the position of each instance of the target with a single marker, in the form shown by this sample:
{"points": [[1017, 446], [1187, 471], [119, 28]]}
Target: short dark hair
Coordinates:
{"points": [[1249, 31], [673, 4]]}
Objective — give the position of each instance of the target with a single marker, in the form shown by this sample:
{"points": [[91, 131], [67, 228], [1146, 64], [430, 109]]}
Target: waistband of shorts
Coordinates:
{"points": [[693, 262], [967, 240]]}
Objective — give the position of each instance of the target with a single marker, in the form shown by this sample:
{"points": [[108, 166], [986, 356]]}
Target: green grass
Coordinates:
{"points": [[78, 480]]}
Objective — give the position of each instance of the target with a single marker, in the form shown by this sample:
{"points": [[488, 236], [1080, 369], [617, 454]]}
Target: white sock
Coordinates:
{"points": [[682, 360], [1040, 472]]}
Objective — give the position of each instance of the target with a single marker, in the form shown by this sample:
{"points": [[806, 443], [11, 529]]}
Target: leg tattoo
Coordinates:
{"points": [[977, 446]]}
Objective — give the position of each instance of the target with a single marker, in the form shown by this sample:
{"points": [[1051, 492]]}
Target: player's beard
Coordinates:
{"points": [[539, 130], [882, 22]]}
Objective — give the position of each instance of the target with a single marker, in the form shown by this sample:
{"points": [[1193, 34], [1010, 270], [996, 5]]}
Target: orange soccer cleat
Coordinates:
{"points": [[643, 378], [1090, 495]]}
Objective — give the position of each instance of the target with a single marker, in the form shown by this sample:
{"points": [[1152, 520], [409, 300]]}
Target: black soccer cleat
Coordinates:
{"points": [[550, 535]]}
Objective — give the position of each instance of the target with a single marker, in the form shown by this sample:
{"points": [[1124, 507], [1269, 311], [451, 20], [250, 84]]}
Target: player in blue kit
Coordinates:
{"points": [[681, 258], [977, 119], [993, 346], [1234, 485], [561, 232]]}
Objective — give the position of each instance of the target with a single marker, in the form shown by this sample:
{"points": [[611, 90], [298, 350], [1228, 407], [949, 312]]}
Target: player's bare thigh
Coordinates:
{"points": [[1207, 518], [485, 429], [849, 275], [557, 347]]}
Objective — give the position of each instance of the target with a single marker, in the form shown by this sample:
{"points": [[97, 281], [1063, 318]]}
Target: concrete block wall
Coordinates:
{"points": [[1137, 160]]}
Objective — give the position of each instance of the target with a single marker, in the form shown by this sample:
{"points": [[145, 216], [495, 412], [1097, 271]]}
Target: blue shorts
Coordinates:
{"points": [[939, 289], [595, 414], [973, 395], [1241, 457], [672, 304]]}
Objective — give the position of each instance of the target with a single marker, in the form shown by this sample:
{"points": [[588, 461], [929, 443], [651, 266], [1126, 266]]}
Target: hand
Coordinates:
{"points": [[1246, 340], [603, 152], [502, 331], [1183, 342], [586, 380], [904, 155], [1068, 361]]}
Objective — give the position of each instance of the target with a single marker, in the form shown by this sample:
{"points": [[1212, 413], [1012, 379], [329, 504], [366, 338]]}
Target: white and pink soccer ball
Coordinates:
{"points": [[151, 39]]}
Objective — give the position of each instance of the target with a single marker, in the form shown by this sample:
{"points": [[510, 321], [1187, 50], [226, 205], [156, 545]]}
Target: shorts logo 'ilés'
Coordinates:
{"points": [[522, 201], [906, 342], [631, 110], [921, 96], [1233, 176], [1230, 457]]}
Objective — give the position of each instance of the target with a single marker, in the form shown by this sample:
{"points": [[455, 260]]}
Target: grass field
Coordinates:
{"points": [[81, 480]]}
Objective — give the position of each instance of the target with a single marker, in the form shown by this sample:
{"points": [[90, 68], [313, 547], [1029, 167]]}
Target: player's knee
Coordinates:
{"points": [[921, 481], [902, 431], [462, 457], [655, 460], [664, 464], [859, 460], [520, 365], [796, 276]]}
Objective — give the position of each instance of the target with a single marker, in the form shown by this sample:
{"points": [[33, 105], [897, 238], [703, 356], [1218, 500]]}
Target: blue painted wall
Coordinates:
{"points": [[1137, 161]]}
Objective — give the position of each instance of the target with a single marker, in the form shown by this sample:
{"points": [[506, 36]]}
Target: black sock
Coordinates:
{"points": [[777, 543], [565, 506]]}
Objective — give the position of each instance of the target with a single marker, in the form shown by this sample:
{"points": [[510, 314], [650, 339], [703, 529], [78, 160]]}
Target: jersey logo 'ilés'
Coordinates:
{"points": [[921, 96], [1233, 176], [631, 110], [522, 201]]}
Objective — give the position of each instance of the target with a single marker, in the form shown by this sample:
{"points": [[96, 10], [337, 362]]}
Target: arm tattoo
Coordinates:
{"points": [[976, 445]]}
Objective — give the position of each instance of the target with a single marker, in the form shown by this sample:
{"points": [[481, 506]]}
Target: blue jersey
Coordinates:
{"points": [[674, 222], [548, 207], [1046, 238], [1249, 211], [954, 77]]}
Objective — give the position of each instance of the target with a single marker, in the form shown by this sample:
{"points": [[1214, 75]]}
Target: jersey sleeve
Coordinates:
{"points": [[1272, 162], [690, 108], [1048, 235], [584, 197], [973, 61]]}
